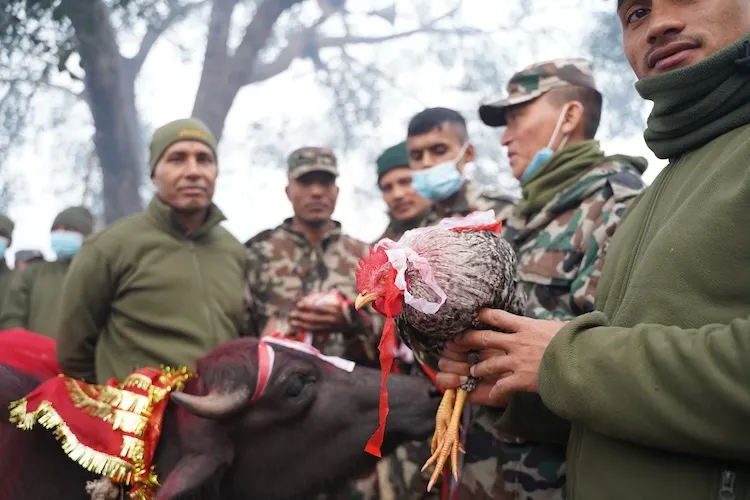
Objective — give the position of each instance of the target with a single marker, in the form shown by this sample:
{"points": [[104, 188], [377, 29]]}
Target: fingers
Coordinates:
{"points": [[455, 367], [502, 319], [450, 380], [494, 366], [483, 339], [504, 387]]}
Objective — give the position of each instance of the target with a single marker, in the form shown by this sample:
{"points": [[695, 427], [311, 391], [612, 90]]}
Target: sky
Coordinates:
{"points": [[250, 194]]}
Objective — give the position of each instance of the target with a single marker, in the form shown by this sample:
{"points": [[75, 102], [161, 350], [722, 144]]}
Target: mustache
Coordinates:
{"points": [[663, 41]]}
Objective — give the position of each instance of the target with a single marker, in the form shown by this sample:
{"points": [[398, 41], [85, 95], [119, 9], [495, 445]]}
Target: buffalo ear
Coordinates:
{"points": [[192, 473]]}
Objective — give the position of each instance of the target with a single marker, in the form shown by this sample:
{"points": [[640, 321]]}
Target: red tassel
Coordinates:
{"points": [[385, 347]]}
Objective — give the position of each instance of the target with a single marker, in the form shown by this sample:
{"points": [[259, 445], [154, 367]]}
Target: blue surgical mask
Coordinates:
{"points": [[3, 246], [66, 243], [544, 154], [441, 181]]}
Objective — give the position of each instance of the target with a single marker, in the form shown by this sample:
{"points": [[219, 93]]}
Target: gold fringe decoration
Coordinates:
{"points": [[94, 461], [123, 410]]}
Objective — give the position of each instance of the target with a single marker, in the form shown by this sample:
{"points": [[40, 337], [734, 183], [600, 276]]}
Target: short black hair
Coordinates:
{"points": [[434, 118], [589, 98]]}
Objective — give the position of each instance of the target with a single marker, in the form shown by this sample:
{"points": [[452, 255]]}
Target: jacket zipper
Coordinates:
{"points": [[201, 285], [726, 487], [642, 236]]}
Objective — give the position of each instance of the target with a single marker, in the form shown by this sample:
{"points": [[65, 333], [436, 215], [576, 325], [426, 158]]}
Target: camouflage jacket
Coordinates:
{"points": [[470, 199], [396, 228], [561, 248], [284, 268]]}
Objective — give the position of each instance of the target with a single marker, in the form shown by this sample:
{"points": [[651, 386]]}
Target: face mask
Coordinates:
{"points": [[3, 246], [441, 181], [66, 243], [545, 154]]}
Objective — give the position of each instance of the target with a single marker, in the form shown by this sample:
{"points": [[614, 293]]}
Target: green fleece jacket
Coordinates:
{"points": [[33, 298], [145, 292], [656, 383], [6, 277]]}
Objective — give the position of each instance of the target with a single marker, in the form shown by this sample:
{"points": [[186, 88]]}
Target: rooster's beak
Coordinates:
{"points": [[363, 299]]}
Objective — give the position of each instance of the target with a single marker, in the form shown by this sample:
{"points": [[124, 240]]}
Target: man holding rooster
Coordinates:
{"points": [[654, 381], [573, 199]]}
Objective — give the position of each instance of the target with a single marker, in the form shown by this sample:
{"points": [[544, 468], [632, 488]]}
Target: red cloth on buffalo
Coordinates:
{"points": [[29, 353]]}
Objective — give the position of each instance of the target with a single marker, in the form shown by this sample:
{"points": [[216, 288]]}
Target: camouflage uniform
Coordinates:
{"points": [[403, 479], [560, 249], [467, 200], [284, 267]]}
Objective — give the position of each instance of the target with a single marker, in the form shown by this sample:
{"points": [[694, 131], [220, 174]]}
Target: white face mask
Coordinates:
{"points": [[545, 154]]}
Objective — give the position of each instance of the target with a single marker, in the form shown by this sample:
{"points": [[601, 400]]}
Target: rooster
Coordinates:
{"points": [[433, 282]]}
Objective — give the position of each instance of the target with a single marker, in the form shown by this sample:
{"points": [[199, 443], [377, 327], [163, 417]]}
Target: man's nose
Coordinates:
{"points": [[506, 137], [663, 22], [192, 168]]}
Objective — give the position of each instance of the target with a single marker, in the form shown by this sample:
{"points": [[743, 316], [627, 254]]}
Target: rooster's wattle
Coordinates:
{"points": [[433, 282]]}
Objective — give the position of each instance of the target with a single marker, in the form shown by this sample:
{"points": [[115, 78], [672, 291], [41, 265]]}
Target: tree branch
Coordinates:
{"points": [[177, 12], [296, 45], [256, 34]]}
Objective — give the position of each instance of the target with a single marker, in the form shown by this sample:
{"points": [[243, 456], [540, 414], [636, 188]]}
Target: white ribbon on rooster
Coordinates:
{"points": [[399, 257]]}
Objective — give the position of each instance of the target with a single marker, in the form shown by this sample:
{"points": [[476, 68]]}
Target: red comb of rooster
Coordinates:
{"points": [[368, 264]]}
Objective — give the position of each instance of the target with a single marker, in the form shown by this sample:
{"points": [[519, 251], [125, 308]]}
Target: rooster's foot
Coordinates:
{"points": [[445, 441]]}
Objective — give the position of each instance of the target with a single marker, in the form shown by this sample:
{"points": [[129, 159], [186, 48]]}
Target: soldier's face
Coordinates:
{"points": [[403, 203], [313, 197], [437, 146], [185, 176], [664, 35], [529, 128]]}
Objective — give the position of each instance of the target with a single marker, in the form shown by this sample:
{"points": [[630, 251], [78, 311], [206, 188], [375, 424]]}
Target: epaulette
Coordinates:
{"points": [[261, 236]]}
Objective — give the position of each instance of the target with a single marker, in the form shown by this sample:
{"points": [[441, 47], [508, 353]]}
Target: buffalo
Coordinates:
{"points": [[304, 435]]}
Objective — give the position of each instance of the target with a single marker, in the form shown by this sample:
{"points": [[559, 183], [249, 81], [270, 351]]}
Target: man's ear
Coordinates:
{"points": [[573, 120], [470, 154]]}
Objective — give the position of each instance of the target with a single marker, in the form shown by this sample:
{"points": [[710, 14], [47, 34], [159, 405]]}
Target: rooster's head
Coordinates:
{"points": [[376, 284]]}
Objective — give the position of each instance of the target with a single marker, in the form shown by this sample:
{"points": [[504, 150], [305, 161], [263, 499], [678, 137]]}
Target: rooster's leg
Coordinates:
{"points": [[448, 443]]}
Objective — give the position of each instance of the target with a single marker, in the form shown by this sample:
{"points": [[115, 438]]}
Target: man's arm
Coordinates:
{"points": [[254, 321], [683, 390], [15, 311], [85, 304]]}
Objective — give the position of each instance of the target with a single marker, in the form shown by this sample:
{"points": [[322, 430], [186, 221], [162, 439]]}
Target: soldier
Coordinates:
{"points": [[439, 149], [6, 239], [34, 295], [406, 208], [573, 199], [300, 281], [24, 258], [161, 287]]}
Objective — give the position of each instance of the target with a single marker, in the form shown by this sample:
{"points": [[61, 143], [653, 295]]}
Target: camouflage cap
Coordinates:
{"points": [[533, 81], [312, 159]]}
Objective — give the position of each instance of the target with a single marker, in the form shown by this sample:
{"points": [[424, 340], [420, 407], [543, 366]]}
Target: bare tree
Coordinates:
{"points": [[278, 33]]}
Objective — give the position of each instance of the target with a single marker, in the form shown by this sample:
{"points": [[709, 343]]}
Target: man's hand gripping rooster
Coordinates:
{"points": [[433, 282]]}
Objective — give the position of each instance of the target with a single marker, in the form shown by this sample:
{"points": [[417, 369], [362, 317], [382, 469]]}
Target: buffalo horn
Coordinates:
{"points": [[214, 405]]}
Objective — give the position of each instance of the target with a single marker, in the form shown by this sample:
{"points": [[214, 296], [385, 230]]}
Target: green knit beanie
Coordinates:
{"points": [[6, 226], [391, 158], [78, 218], [187, 129]]}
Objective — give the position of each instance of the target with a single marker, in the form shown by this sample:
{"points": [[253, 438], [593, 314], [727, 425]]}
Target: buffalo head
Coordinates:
{"points": [[304, 434]]}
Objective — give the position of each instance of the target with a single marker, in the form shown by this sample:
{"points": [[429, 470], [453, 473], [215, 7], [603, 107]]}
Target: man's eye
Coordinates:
{"points": [[636, 15]]}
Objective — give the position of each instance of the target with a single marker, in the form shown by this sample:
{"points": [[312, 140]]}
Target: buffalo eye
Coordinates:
{"points": [[297, 383]]}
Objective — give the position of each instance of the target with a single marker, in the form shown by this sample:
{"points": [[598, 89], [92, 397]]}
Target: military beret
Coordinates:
{"points": [[393, 157]]}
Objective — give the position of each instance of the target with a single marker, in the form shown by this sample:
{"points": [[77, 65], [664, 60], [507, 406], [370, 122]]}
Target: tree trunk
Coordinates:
{"points": [[112, 102], [223, 75]]}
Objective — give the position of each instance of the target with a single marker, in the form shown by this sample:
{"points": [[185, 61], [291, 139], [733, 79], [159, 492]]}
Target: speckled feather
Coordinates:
{"points": [[475, 269]]}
